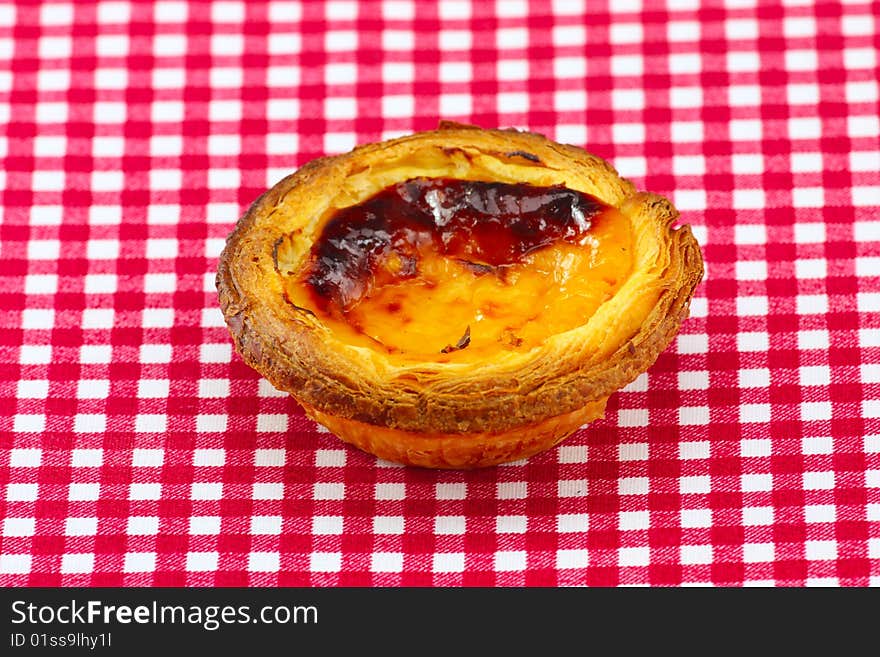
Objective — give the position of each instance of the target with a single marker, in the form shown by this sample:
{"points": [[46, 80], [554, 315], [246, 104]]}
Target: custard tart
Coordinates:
{"points": [[456, 298]]}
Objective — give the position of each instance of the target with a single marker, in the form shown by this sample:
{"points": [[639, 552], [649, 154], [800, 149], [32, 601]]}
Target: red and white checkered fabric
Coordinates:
{"points": [[137, 449]]}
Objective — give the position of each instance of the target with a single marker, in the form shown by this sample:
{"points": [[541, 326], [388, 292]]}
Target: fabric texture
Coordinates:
{"points": [[137, 449]]}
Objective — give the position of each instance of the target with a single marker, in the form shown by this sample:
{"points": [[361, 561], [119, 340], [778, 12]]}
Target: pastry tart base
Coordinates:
{"points": [[459, 450], [471, 407]]}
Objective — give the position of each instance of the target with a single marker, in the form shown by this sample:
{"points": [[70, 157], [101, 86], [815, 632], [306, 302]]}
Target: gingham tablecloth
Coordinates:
{"points": [[137, 449]]}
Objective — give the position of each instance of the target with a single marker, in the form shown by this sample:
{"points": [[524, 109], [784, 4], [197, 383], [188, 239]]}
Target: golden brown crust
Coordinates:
{"points": [[298, 354], [457, 450]]}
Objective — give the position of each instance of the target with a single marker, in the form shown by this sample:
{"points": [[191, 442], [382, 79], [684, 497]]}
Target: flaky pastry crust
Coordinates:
{"points": [[451, 414]]}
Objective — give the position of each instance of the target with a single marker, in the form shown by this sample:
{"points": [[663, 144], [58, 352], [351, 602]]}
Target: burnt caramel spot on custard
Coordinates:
{"points": [[484, 225], [456, 270], [462, 343]]}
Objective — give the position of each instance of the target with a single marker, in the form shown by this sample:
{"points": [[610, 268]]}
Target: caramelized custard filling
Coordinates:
{"points": [[455, 270]]}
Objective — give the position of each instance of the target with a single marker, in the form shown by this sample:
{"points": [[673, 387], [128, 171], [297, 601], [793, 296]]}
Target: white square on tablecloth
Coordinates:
{"points": [[145, 491], [690, 450], [815, 411], [857, 25], [747, 163], [455, 105], [266, 525], [749, 413], [817, 445], [450, 525], [142, 525], [694, 415], [100, 283], [572, 453], [814, 375], [572, 487], [567, 35], [443, 491], [150, 423], [330, 458], [98, 318], [33, 354], [202, 561], [512, 490], [823, 480], [50, 14], [327, 525], [758, 552], [572, 558], [511, 524], [268, 491], [689, 63], [77, 563], [43, 249], [814, 513], [821, 550], [102, 249], [869, 372], [448, 562], [570, 523], [689, 165], [164, 111], [45, 215], [695, 485], [139, 562], [633, 520], [15, 564], [510, 560], [81, 526], [694, 518], [213, 458], [757, 482], [36, 319], [325, 562], [755, 447], [386, 562], [26, 457], [329, 491], [21, 492], [392, 525], [51, 112], [798, 26], [452, 40], [633, 417], [206, 491], [633, 556], [272, 422], [215, 422], [756, 516], [690, 199], [695, 554], [633, 486], [751, 270], [18, 527], [862, 91], [399, 9], [87, 458], [204, 525], [83, 492], [48, 181], [264, 562], [813, 339], [632, 452], [270, 457]]}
